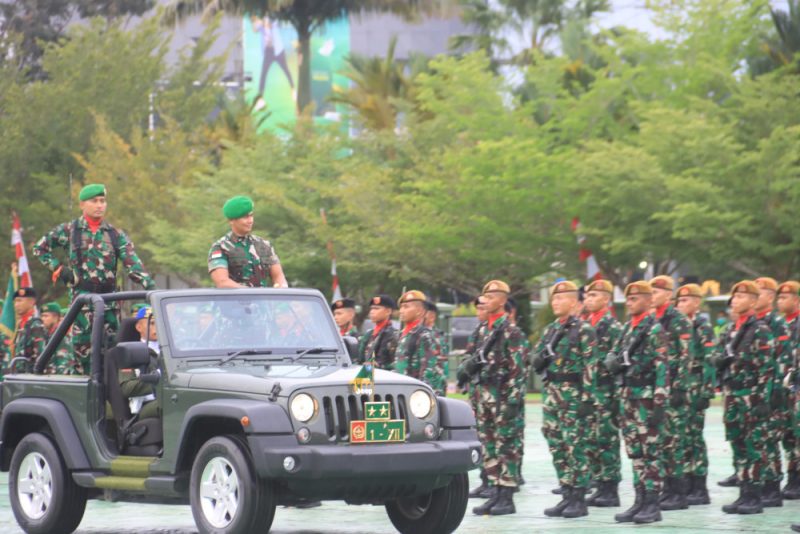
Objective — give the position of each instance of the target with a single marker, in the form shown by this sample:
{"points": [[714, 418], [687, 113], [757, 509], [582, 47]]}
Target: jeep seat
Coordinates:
{"points": [[135, 437], [127, 330]]}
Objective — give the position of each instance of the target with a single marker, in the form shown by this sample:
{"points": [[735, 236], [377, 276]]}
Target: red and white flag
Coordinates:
{"points": [[337, 291], [586, 255], [23, 270]]}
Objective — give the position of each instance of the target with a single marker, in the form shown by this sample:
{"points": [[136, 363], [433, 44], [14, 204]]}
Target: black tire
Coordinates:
{"points": [[217, 461], [35, 466], [438, 512]]}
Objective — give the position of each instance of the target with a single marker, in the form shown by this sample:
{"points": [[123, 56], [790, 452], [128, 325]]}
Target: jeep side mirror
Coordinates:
{"points": [[352, 347]]}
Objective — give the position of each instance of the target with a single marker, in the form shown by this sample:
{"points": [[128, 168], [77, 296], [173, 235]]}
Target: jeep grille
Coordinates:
{"points": [[340, 410]]}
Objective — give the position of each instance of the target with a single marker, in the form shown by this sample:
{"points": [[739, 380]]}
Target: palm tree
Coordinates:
{"points": [[305, 16]]}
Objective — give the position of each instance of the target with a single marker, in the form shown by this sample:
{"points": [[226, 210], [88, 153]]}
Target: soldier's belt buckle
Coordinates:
{"points": [[377, 425]]}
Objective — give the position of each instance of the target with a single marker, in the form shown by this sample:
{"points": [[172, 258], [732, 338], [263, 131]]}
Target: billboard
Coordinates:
{"points": [[271, 58]]}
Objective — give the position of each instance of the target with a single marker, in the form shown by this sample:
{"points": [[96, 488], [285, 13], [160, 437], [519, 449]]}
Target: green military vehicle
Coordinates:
{"points": [[259, 405]]}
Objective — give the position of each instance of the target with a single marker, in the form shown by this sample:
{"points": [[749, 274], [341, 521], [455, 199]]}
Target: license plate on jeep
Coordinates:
{"points": [[377, 426]]}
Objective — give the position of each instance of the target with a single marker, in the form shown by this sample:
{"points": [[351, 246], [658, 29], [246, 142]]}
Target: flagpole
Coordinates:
{"points": [[336, 289]]}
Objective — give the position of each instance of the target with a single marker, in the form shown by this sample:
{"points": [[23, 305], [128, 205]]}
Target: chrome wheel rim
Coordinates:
{"points": [[219, 492], [34, 485]]}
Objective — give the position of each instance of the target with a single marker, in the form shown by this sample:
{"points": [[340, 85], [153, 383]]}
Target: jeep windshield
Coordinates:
{"points": [[254, 326]]}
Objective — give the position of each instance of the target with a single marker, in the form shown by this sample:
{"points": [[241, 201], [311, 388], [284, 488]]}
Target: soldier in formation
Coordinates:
{"points": [[379, 344], [416, 348], [789, 306], [30, 335], [344, 313]]}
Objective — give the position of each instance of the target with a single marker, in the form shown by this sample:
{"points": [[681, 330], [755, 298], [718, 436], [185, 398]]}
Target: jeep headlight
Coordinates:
{"points": [[421, 404], [303, 407]]}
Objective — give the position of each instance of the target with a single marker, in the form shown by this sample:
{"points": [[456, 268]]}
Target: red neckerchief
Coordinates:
{"points": [[93, 224], [792, 316], [742, 319], [762, 314], [596, 316], [52, 330], [411, 326], [380, 326], [24, 319], [636, 319], [661, 310], [343, 331], [563, 320], [494, 318]]}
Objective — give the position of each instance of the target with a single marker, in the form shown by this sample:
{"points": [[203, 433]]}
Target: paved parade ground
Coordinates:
{"points": [[117, 518]]}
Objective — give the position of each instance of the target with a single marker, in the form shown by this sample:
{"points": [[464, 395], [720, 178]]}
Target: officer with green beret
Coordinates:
{"points": [[92, 250], [240, 258]]}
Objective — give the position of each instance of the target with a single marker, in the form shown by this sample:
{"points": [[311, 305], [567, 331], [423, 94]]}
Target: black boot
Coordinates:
{"points": [[494, 496], [482, 491], [577, 504], [699, 492], [730, 482], [666, 490], [627, 515], [606, 496], [558, 509], [792, 490], [772, 495], [752, 500], [505, 502], [733, 508], [651, 511], [557, 491], [796, 527], [677, 498]]}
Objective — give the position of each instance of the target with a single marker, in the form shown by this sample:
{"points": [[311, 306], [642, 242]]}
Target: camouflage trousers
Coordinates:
{"points": [[674, 439], [603, 445], [642, 443], [780, 432], [501, 443], [566, 435], [696, 450], [475, 403], [82, 335], [746, 433]]}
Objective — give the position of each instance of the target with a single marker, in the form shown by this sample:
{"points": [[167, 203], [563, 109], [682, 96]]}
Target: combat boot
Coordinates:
{"points": [[733, 508], [730, 482], [482, 491], [505, 502], [627, 515], [796, 527], [557, 491], [772, 495], [752, 500], [577, 504], [666, 490], [650, 512], [677, 498], [558, 509], [792, 490], [699, 492], [494, 496], [606, 496]]}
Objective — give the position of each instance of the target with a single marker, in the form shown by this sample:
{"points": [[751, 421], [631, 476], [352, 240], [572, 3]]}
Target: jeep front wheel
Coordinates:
{"points": [[43, 495], [226, 495], [440, 511]]}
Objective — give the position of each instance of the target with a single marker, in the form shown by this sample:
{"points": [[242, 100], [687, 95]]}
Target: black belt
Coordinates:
{"points": [[92, 287], [639, 382], [564, 378], [605, 381]]}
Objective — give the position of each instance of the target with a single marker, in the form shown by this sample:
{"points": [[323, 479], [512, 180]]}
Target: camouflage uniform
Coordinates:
{"points": [[94, 266], [569, 385], [500, 392], [5, 353], [678, 332], [64, 361], [416, 357], [603, 448], [352, 332], [30, 339], [701, 390], [247, 259], [643, 393], [379, 347], [474, 343], [442, 351]]}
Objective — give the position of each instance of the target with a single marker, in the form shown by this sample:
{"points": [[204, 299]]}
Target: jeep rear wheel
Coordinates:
{"points": [[440, 511], [226, 495], [43, 495]]}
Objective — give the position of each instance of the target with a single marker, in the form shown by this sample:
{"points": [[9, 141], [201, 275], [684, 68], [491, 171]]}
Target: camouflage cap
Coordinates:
{"points": [[563, 287], [600, 285], [52, 307], [496, 286], [383, 300], [412, 296], [237, 207], [745, 286], [662, 282], [765, 282], [342, 304], [638, 288], [25, 292], [91, 191], [790, 286], [690, 290]]}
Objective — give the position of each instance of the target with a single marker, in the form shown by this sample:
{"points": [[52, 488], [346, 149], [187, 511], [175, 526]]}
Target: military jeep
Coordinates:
{"points": [[259, 405]]}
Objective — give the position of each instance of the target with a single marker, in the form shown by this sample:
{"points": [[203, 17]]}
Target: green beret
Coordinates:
{"points": [[64, 311], [237, 207], [91, 191], [51, 307]]}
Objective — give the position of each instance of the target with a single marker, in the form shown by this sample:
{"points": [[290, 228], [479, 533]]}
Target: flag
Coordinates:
{"points": [[23, 270], [8, 321], [586, 255], [364, 380], [337, 291]]}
